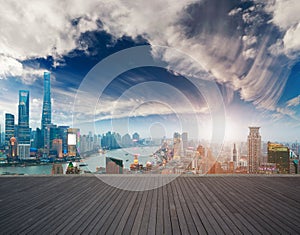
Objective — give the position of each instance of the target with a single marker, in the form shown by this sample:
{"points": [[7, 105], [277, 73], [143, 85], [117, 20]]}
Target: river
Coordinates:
{"points": [[93, 161]]}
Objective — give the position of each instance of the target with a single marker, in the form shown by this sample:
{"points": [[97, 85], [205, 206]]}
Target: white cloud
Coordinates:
{"points": [[38, 29], [286, 16], [293, 102], [249, 53], [286, 111], [41, 28], [291, 39], [235, 11], [249, 40], [11, 67]]}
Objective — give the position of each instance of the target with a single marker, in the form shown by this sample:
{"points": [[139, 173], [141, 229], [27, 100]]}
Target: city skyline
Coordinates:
{"points": [[248, 48]]}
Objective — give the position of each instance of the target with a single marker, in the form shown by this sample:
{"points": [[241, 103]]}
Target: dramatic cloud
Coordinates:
{"points": [[232, 42], [247, 46]]}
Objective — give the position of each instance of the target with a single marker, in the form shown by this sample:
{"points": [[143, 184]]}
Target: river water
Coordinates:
{"points": [[93, 161]]}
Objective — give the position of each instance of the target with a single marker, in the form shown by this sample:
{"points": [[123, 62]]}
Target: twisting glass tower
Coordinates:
{"points": [[46, 115]]}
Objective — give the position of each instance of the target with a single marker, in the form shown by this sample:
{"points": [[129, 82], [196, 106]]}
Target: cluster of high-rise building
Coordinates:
{"points": [[51, 140], [260, 158], [280, 158], [21, 142], [250, 158], [17, 136]]}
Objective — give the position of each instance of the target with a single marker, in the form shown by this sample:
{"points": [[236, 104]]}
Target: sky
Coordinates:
{"points": [[211, 68]]}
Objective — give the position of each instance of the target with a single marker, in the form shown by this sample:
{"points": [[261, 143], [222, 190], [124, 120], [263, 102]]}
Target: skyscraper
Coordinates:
{"points": [[234, 153], [63, 134], [280, 155], [9, 127], [57, 146], [23, 118], [46, 115], [73, 142], [177, 145], [254, 150], [184, 138]]}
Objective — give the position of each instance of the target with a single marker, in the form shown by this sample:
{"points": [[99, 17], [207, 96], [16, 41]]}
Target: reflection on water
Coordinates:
{"points": [[126, 154], [28, 170]]}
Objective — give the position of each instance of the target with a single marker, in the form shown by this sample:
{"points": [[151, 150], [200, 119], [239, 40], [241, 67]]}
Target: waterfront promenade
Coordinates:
{"points": [[187, 205]]}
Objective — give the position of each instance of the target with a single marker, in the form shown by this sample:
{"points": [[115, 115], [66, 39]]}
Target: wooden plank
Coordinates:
{"points": [[180, 208], [104, 215], [190, 205], [57, 213], [101, 210], [33, 196], [251, 210], [153, 212], [206, 210], [261, 206], [120, 226], [33, 211], [227, 219], [80, 217], [86, 219], [159, 212], [132, 216], [166, 212], [190, 202], [199, 208], [120, 215], [173, 211], [146, 213], [228, 213], [224, 185], [140, 213]]}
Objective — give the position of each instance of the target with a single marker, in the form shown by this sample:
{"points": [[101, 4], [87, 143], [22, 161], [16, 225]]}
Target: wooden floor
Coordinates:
{"points": [[187, 205]]}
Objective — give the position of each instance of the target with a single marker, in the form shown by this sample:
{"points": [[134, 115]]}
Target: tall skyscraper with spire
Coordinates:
{"points": [[254, 150], [46, 114]]}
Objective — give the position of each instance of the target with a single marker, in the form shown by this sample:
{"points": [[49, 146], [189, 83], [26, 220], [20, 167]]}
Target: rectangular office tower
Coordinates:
{"points": [[9, 127], [254, 150], [280, 155], [73, 142], [23, 118]]}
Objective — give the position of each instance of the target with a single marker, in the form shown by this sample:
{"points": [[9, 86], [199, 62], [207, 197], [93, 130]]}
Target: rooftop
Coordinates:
{"points": [[186, 205]]}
